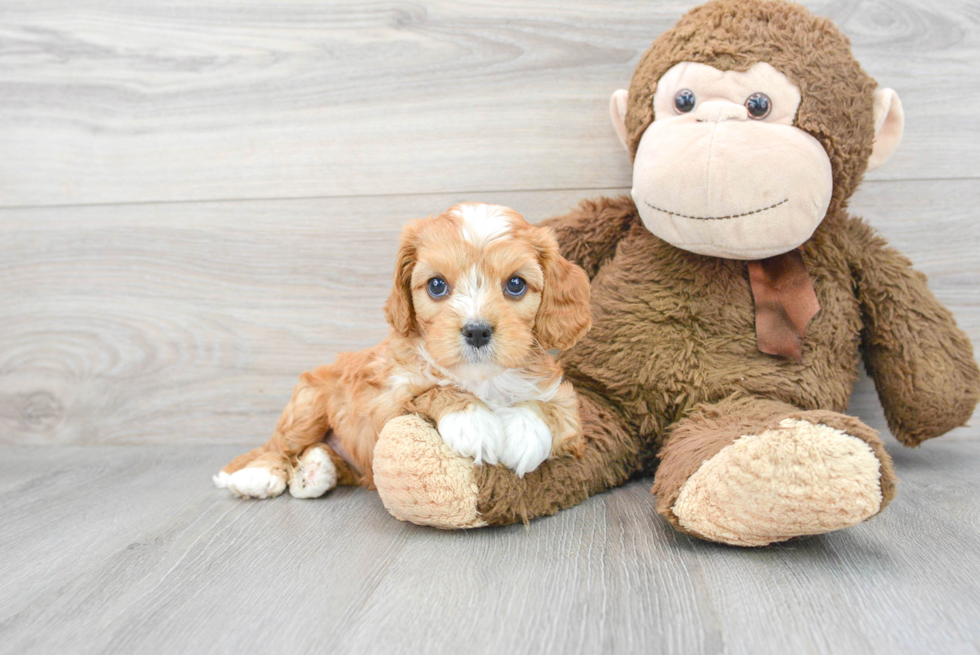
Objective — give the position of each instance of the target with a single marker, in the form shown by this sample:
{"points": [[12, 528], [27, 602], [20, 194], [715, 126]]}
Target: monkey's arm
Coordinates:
{"points": [[921, 363], [589, 234]]}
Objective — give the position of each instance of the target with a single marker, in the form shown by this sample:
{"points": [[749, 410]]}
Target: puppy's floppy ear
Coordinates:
{"points": [[563, 316], [399, 310]]}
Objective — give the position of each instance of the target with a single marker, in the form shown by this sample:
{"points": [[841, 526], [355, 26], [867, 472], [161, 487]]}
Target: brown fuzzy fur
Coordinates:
{"points": [[710, 427], [671, 366], [608, 461]]}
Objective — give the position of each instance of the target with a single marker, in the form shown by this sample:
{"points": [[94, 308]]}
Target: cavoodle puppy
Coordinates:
{"points": [[480, 296]]}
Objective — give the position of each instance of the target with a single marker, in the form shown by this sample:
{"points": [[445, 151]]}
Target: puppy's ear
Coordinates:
{"points": [[399, 311], [563, 316]]}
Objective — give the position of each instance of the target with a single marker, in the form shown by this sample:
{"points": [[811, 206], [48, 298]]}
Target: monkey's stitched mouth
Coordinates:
{"points": [[717, 218]]}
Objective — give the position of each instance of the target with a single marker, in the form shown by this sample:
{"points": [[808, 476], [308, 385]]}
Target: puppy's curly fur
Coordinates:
{"points": [[480, 296]]}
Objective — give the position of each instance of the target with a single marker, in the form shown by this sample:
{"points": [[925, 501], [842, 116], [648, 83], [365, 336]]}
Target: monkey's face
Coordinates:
{"points": [[722, 170]]}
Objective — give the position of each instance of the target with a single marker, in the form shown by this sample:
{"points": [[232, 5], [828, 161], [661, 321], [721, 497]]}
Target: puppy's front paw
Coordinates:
{"points": [[527, 439], [473, 432], [252, 482]]}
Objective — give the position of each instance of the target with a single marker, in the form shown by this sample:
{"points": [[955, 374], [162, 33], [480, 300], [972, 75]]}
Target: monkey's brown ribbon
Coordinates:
{"points": [[784, 303]]}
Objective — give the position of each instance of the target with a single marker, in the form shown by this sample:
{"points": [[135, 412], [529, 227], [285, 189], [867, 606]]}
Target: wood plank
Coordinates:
{"points": [[136, 102], [158, 560], [126, 551], [68, 508], [190, 322], [186, 323]]}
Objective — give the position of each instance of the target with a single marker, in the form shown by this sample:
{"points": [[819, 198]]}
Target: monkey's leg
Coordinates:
{"points": [[295, 449], [421, 480], [750, 472]]}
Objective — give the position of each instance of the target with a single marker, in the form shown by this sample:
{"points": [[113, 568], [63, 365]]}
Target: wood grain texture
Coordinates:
{"points": [[134, 102], [109, 549], [191, 322]]}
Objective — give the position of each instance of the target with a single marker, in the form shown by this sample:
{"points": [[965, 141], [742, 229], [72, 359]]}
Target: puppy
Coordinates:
{"points": [[480, 296]]}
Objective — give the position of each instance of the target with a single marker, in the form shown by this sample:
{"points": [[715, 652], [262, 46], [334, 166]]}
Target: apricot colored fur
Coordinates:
{"points": [[349, 401]]}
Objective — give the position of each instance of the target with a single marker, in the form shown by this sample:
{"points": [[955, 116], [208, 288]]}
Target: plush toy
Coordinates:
{"points": [[732, 297]]}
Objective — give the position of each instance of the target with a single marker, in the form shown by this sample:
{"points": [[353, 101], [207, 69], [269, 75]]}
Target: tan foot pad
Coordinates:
{"points": [[421, 480], [799, 479]]}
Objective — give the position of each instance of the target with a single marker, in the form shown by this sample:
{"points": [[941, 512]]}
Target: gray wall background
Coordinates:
{"points": [[200, 200]]}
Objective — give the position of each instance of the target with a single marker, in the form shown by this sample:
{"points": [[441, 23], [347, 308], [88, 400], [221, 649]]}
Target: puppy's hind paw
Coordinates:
{"points": [[252, 482], [314, 476]]}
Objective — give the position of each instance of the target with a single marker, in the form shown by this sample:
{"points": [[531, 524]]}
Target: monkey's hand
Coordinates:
{"points": [[922, 364]]}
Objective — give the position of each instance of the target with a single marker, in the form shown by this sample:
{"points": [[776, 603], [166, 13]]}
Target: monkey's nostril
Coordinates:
{"points": [[477, 334]]}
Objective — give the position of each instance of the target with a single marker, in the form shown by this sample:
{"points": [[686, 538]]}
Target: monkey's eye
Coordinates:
{"points": [[684, 101], [759, 105], [437, 288], [515, 287]]}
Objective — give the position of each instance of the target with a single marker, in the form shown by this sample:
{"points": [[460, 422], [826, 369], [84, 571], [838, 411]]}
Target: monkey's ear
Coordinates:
{"points": [[617, 111], [889, 124]]}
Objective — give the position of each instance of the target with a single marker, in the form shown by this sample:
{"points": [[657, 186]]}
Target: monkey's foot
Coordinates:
{"points": [[793, 479]]}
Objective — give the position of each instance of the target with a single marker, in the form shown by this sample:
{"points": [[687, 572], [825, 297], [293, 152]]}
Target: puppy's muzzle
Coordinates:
{"points": [[477, 334]]}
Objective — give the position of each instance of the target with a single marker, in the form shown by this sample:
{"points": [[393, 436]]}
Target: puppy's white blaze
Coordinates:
{"points": [[527, 439], [470, 296], [473, 432], [483, 223]]}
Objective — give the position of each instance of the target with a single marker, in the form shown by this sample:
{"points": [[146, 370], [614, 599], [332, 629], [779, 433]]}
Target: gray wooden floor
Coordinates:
{"points": [[126, 549], [199, 200]]}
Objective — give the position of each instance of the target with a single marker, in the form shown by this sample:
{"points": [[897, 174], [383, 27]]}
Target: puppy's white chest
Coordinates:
{"points": [[510, 388]]}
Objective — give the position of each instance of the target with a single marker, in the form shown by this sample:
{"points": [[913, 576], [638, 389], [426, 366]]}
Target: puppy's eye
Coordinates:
{"points": [[684, 101], [759, 105], [515, 287], [437, 288]]}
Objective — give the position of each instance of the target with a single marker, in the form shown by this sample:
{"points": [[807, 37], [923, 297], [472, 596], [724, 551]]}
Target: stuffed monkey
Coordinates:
{"points": [[732, 297]]}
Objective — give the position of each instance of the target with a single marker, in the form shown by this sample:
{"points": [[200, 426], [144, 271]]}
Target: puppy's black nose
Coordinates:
{"points": [[477, 334]]}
